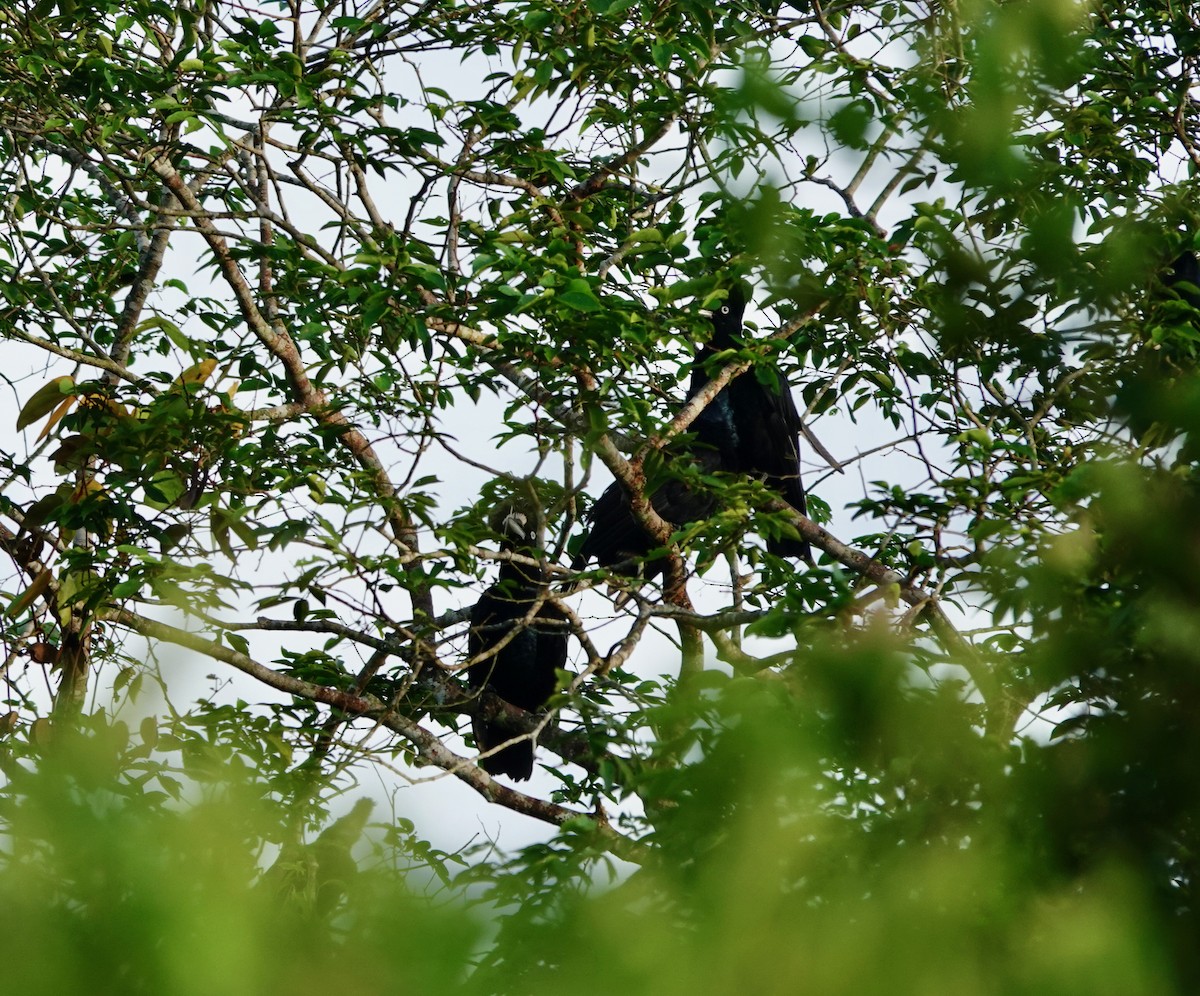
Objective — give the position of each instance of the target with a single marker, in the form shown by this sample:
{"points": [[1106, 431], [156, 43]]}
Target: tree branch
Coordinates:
{"points": [[428, 746], [281, 345]]}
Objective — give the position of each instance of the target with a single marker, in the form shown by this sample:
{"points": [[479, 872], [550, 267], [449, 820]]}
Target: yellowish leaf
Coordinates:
{"points": [[45, 399], [68, 590], [41, 731], [55, 417], [36, 589], [198, 373]]}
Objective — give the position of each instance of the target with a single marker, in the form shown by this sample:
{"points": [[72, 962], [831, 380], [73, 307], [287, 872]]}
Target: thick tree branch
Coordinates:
{"points": [[954, 643]]}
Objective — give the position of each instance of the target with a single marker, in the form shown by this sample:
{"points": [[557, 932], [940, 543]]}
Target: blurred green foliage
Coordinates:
{"points": [[109, 888], [843, 825]]}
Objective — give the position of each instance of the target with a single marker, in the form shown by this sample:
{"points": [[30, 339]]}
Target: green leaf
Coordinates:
{"points": [[237, 642], [580, 302], [172, 331], [164, 489], [849, 124], [814, 46], [124, 589], [578, 295]]}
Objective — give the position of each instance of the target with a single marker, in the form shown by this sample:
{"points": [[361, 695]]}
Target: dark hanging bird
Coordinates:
{"points": [[524, 670], [766, 425], [615, 539], [748, 428]]}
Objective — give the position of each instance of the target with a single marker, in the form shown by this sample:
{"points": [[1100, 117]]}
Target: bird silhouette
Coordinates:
{"points": [[521, 649], [615, 539], [1184, 278], [747, 428], [766, 425]]}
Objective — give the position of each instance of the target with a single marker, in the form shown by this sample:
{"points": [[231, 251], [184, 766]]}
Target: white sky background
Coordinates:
{"points": [[447, 812]]}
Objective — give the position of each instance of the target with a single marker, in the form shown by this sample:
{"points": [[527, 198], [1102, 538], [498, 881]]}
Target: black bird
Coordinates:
{"points": [[747, 428], [523, 671], [1186, 270], [615, 539], [765, 423]]}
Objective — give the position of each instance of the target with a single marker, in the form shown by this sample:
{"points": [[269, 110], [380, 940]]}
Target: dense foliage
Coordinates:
{"points": [[293, 293]]}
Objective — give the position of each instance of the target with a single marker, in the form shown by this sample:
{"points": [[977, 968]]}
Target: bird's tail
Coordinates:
{"points": [[786, 546], [516, 760], [790, 489]]}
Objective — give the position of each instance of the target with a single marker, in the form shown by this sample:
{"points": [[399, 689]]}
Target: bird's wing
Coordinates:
{"points": [[552, 640], [769, 435], [613, 534], [479, 636], [790, 427]]}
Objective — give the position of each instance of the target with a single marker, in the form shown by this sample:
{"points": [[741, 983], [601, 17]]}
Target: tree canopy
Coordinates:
{"points": [[294, 293]]}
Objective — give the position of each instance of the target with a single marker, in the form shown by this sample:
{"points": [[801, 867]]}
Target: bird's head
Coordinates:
{"points": [[515, 525], [518, 517], [521, 525], [726, 316]]}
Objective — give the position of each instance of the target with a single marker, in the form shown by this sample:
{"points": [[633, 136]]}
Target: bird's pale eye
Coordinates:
{"points": [[724, 309]]}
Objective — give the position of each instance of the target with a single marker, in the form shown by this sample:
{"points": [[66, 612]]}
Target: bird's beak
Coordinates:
{"points": [[514, 525], [706, 312]]}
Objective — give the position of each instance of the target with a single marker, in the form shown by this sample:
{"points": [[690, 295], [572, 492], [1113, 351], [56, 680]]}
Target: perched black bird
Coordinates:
{"points": [[523, 670], [747, 428], [765, 423], [616, 539]]}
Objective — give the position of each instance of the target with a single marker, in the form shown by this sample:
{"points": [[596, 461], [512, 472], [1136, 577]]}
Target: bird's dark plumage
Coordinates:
{"points": [[1185, 277], [615, 538], [748, 428], [523, 672], [766, 423]]}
